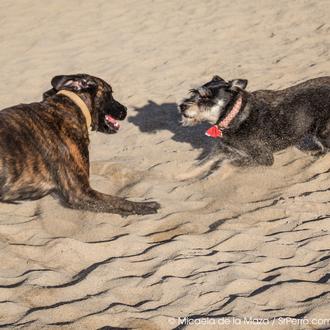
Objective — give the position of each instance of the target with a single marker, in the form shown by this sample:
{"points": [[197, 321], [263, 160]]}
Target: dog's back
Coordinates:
{"points": [[23, 171], [308, 88]]}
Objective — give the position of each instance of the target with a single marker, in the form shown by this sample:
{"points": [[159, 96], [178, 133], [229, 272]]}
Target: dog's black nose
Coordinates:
{"points": [[122, 113], [118, 110], [183, 107]]}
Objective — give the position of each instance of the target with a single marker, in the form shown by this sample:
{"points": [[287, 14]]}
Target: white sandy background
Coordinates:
{"points": [[239, 243]]}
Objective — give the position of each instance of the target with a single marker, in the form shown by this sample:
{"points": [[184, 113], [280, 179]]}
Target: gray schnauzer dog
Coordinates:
{"points": [[251, 126]]}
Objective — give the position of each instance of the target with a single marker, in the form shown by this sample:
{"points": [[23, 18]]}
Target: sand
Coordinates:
{"points": [[240, 243]]}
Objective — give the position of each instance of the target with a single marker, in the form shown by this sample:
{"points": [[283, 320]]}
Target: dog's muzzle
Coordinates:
{"points": [[117, 112], [182, 107]]}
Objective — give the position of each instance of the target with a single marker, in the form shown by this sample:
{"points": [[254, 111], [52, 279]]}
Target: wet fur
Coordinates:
{"points": [[44, 148]]}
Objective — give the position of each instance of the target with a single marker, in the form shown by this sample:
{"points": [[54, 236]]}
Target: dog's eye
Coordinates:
{"points": [[183, 107]]}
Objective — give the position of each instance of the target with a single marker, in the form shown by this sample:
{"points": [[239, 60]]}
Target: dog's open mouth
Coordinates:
{"points": [[112, 122]]}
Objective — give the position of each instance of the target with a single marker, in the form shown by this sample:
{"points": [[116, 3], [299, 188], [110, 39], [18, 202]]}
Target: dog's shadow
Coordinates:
{"points": [[153, 117]]}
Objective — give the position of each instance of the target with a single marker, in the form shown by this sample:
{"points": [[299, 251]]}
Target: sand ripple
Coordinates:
{"points": [[237, 243]]}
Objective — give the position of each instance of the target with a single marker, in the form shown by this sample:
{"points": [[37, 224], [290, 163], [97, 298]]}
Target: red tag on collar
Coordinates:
{"points": [[213, 132]]}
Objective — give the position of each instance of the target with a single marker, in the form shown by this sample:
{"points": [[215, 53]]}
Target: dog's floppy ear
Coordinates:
{"points": [[49, 93], [73, 83], [237, 84], [217, 78]]}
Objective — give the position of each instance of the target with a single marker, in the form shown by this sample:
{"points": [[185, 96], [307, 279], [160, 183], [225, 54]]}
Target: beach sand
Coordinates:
{"points": [[240, 243]]}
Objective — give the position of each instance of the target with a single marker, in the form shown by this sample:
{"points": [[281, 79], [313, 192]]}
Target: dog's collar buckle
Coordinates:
{"points": [[215, 131]]}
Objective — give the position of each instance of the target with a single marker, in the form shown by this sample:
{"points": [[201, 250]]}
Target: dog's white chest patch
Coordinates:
{"points": [[217, 107]]}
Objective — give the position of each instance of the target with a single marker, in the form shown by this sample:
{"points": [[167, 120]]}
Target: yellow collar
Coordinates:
{"points": [[80, 103]]}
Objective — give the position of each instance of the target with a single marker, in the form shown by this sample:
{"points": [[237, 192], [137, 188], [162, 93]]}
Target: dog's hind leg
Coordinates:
{"points": [[324, 137], [311, 142], [254, 154]]}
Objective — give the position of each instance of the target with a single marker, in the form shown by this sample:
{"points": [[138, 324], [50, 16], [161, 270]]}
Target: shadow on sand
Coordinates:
{"points": [[154, 117]]}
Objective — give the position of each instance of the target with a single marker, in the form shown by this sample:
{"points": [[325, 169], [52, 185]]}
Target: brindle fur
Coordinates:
{"points": [[269, 120], [44, 148]]}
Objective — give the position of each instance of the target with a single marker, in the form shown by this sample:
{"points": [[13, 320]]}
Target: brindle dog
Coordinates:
{"points": [[44, 146]]}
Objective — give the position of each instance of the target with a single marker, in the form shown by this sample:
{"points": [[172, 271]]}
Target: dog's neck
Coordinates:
{"points": [[81, 105], [232, 113], [215, 131]]}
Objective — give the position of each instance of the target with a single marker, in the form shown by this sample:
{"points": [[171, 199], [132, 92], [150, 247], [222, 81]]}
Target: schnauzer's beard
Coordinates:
{"points": [[192, 116], [189, 121], [197, 114]]}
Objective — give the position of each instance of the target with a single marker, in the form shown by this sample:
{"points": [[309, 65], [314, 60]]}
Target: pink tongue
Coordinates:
{"points": [[112, 121]]}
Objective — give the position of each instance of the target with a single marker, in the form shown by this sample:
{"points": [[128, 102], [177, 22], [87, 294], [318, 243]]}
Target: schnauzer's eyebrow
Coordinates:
{"points": [[193, 90]]}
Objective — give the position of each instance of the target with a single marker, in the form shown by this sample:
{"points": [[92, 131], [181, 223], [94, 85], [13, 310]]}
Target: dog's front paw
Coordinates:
{"points": [[140, 208], [147, 208], [154, 205], [243, 162]]}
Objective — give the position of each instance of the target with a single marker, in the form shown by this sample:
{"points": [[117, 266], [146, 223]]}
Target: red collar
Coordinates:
{"points": [[215, 131]]}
